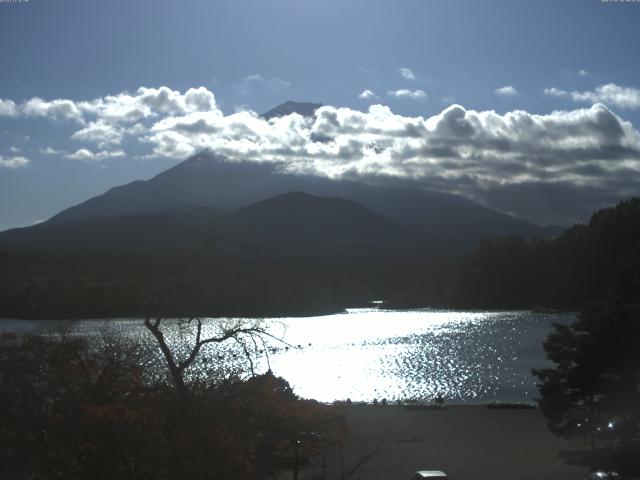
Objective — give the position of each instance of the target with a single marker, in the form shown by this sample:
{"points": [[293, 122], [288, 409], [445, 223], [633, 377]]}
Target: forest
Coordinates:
{"points": [[500, 273], [583, 264]]}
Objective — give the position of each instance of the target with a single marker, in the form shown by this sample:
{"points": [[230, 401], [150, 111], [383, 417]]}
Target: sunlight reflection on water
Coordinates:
{"points": [[368, 353]]}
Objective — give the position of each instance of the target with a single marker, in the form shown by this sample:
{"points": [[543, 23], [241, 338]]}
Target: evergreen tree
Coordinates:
{"points": [[593, 391]]}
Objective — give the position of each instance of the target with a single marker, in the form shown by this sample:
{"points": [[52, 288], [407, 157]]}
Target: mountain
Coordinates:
{"points": [[130, 234], [294, 223], [297, 223], [449, 223], [300, 216], [301, 108], [203, 180]]}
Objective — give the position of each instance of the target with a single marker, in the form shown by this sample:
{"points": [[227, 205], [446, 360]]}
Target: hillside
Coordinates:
{"points": [[580, 265], [296, 224], [292, 224]]}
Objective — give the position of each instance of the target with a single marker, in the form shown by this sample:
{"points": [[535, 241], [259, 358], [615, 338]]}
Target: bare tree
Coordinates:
{"points": [[243, 332]]}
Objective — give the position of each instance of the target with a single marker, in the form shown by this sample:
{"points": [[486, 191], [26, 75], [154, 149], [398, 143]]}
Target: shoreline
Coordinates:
{"points": [[293, 314]]}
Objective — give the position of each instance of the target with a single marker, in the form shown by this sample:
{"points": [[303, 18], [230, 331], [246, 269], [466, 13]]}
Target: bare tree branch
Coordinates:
{"points": [[237, 332]]}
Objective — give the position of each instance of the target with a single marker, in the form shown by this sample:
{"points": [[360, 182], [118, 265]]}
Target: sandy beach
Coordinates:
{"points": [[467, 442]]}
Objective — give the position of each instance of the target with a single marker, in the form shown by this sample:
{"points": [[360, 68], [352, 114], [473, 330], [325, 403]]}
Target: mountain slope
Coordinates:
{"points": [[130, 234], [291, 224], [449, 221], [297, 223]]}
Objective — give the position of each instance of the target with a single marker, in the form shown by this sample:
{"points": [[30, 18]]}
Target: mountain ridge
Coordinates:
{"points": [[209, 180]]}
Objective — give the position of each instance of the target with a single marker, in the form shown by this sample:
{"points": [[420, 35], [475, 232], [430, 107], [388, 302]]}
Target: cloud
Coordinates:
{"points": [[506, 91], [106, 121], [476, 154], [406, 93], [52, 151], [581, 73], [255, 80], [147, 103], [555, 92], [87, 155], [367, 95], [459, 149], [13, 162], [56, 109], [590, 152], [609, 94], [7, 108], [100, 132], [407, 73]]}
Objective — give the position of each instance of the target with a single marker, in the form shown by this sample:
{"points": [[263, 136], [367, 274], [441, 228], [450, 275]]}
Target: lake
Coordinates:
{"points": [[367, 354]]}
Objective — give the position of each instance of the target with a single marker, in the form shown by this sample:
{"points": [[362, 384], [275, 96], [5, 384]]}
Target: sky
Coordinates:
{"points": [[528, 107]]}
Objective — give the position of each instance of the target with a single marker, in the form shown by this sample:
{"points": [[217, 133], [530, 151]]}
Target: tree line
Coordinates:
{"points": [[583, 264]]}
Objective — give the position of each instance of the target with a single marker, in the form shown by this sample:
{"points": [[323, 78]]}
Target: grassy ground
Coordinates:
{"points": [[467, 442]]}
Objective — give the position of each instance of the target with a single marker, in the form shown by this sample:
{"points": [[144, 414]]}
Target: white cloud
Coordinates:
{"points": [[106, 121], [87, 155], [105, 113], [609, 94], [506, 91], [7, 108], [583, 73], [555, 92], [457, 150], [101, 132], [52, 151], [255, 80], [13, 162], [406, 93], [367, 95], [148, 103], [407, 73], [56, 109]]}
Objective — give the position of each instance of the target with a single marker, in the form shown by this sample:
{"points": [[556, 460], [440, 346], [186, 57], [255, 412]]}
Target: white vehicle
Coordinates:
{"points": [[603, 476], [431, 474]]}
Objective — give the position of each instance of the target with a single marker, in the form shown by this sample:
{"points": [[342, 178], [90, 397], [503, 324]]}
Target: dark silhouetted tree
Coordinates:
{"points": [[243, 332], [593, 391]]}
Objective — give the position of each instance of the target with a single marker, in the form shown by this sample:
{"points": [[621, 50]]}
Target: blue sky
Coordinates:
{"points": [[416, 57]]}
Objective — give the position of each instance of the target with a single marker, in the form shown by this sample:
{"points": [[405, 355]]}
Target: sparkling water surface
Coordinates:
{"points": [[365, 354]]}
